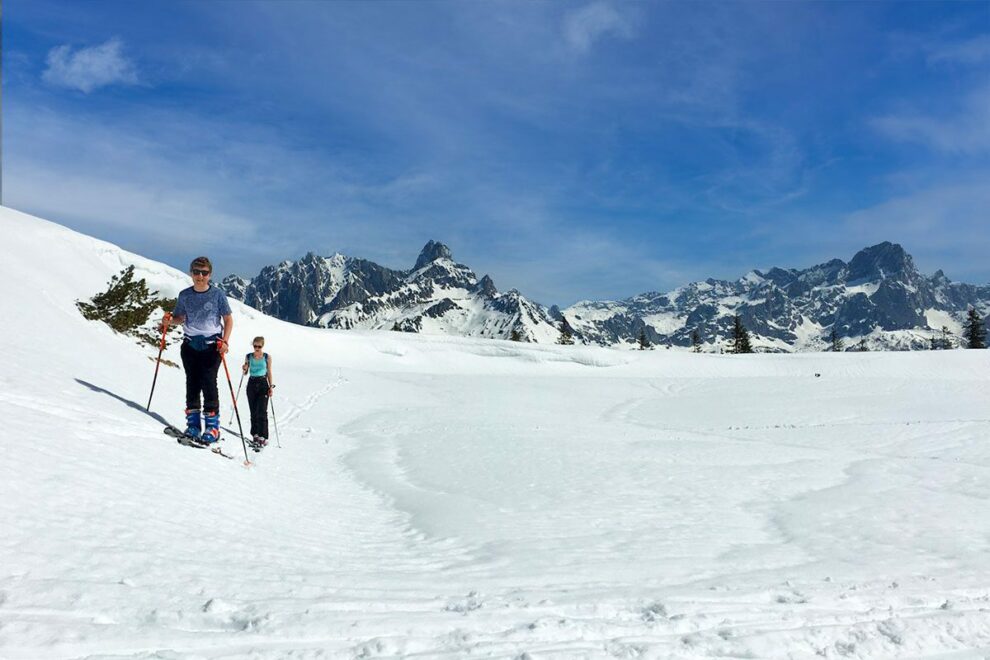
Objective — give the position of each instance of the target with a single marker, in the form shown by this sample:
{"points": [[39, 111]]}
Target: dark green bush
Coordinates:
{"points": [[126, 306]]}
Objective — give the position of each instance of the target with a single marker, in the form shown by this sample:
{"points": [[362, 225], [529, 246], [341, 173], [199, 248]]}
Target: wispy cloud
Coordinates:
{"points": [[88, 69], [968, 52], [943, 225], [235, 186], [967, 131], [583, 27], [117, 181]]}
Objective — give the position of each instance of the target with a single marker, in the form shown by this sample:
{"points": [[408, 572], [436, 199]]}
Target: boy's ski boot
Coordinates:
{"points": [[194, 427], [211, 434]]}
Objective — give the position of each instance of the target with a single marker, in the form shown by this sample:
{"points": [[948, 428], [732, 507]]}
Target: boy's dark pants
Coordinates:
{"points": [[201, 376]]}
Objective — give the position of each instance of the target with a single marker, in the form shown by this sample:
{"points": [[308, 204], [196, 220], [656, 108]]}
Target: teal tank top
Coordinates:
{"points": [[258, 367]]}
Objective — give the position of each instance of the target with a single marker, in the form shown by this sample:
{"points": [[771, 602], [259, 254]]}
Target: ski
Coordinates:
{"points": [[255, 446], [189, 441], [220, 452]]}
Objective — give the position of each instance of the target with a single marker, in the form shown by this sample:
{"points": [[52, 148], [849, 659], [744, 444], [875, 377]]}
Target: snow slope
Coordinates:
{"points": [[447, 497]]}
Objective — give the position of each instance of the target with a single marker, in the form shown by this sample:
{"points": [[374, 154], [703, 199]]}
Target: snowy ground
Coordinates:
{"points": [[440, 497]]}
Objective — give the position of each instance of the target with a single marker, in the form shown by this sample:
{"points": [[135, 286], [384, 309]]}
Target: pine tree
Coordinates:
{"points": [[836, 342], [946, 339], [514, 335], [126, 306], [566, 337], [862, 347], [975, 330], [396, 328], [695, 341], [934, 344], [644, 342], [740, 337]]}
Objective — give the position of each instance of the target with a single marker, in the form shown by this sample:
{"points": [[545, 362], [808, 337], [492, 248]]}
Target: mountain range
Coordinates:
{"points": [[877, 301], [437, 295]]}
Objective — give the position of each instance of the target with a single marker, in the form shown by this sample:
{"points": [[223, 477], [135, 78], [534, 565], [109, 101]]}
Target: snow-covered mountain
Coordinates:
{"points": [[878, 300], [437, 296]]}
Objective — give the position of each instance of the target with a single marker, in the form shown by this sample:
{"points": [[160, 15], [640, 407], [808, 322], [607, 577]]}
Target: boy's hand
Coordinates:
{"points": [[221, 346], [166, 322]]}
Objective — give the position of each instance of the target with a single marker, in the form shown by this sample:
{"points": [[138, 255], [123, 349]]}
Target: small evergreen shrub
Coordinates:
{"points": [[126, 306]]}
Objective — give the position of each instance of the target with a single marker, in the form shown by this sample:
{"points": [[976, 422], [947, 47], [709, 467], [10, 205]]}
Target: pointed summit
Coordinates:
{"points": [[486, 287], [431, 252], [882, 261]]}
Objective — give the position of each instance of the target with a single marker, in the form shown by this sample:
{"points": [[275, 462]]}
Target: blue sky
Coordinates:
{"points": [[572, 150]]}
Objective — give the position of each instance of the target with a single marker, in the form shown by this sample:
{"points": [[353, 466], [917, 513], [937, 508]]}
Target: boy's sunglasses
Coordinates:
{"points": [[257, 346], [197, 271]]}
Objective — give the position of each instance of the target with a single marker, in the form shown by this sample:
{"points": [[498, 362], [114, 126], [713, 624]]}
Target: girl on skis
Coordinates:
{"points": [[260, 385]]}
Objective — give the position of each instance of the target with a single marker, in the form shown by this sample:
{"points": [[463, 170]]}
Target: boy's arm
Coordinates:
{"points": [[228, 327], [178, 316], [170, 320]]}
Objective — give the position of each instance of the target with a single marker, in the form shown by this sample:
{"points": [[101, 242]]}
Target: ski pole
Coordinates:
{"points": [[272, 403], [238, 396], [158, 362], [247, 461]]}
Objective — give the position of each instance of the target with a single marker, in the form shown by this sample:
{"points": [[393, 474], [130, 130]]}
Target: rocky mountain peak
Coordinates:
{"points": [[939, 278], [234, 286], [486, 287], [431, 252], [882, 261]]}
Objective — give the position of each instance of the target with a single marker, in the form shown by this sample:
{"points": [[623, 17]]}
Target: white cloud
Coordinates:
{"points": [[161, 216], [585, 26], [117, 182], [972, 51], [967, 132], [942, 216], [87, 69], [942, 226], [225, 184]]}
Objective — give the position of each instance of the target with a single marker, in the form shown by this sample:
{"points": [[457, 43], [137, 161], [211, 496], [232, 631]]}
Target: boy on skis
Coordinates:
{"points": [[206, 321]]}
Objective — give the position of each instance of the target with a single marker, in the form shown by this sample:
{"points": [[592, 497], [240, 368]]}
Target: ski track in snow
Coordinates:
{"points": [[446, 498]]}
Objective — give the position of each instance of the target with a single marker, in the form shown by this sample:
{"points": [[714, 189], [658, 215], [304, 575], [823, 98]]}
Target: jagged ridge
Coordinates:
{"points": [[438, 295], [877, 300]]}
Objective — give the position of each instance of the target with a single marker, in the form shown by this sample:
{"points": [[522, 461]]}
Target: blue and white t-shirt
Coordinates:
{"points": [[203, 311]]}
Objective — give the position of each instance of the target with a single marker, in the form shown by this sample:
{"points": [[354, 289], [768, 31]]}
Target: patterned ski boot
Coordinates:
{"points": [[211, 433], [194, 427]]}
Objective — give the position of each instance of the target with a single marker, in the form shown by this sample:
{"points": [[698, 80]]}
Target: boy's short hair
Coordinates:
{"points": [[201, 263]]}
